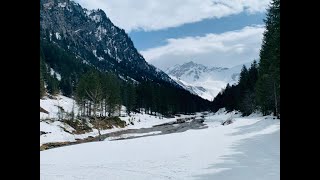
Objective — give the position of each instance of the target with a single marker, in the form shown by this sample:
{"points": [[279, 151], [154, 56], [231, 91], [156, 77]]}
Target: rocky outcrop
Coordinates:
{"points": [[93, 38]]}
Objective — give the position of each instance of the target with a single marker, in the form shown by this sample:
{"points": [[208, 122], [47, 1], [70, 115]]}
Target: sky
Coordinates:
{"points": [[220, 33]]}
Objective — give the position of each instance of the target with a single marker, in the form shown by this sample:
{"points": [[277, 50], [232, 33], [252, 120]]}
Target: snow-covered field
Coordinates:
{"points": [[56, 129], [51, 105], [247, 149]]}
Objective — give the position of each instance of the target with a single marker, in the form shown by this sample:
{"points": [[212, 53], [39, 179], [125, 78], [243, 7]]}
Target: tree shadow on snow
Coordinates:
{"points": [[259, 159]]}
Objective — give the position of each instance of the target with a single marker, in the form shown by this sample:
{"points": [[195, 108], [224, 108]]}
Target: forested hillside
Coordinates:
{"points": [[79, 80], [259, 86]]}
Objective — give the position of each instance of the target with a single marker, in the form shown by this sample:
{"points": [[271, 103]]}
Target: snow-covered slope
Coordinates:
{"points": [[52, 106], [204, 81], [59, 131], [247, 149]]}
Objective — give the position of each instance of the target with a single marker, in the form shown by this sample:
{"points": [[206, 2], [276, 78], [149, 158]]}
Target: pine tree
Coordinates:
{"points": [[244, 78], [66, 86], [42, 80], [112, 94], [80, 95], [268, 85], [253, 75], [42, 88], [131, 98], [53, 85], [247, 100]]}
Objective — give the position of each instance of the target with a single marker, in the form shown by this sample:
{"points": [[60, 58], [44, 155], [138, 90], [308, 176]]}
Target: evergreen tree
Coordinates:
{"points": [[66, 86], [241, 96], [243, 79], [113, 94], [265, 94], [42, 88], [268, 85], [42, 79], [253, 75], [131, 98], [81, 95], [53, 85], [247, 102]]}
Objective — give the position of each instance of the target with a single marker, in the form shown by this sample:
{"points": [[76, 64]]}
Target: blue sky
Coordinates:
{"points": [[144, 40], [222, 33]]}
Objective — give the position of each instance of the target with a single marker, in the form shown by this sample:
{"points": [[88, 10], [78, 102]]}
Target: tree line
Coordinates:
{"points": [[242, 96], [102, 93], [258, 87]]}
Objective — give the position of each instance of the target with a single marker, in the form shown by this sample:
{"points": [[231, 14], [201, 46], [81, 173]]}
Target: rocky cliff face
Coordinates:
{"points": [[92, 37]]}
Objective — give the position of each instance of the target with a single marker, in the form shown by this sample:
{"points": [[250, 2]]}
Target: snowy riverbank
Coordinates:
{"points": [[247, 149]]}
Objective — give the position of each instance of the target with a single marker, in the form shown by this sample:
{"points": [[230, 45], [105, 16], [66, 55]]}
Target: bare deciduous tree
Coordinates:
{"points": [[95, 95]]}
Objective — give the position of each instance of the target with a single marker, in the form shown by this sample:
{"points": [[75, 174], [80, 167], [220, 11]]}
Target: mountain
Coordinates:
{"points": [[93, 39], [203, 81]]}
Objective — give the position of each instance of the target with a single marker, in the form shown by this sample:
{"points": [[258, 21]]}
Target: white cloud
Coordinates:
{"points": [[226, 49], [151, 15]]}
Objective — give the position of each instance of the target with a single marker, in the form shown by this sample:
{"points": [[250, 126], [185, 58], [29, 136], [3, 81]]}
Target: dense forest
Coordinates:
{"points": [[259, 86], [105, 92]]}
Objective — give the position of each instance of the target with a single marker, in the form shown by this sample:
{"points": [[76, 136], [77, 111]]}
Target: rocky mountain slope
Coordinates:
{"points": [[95, 40], [203, 81]]}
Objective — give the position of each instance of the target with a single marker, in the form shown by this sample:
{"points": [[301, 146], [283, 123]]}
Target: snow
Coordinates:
{"points": [[249, 148], [107, 52], [118, 59], [69, 9], [87, 12], [133, 80], [100, 32], [85, 62], [58, 35], [50, 36], [51, 105], [133, 135], [49, 122], [206, 89], [158, 70], [204, 81], [52, 72], [62, 5], [48, 5], [96, 18], [142, 120], [55, 132], [122, 78], [94, 53]]}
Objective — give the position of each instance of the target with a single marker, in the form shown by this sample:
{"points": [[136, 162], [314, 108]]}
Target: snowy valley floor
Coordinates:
{"points": [[247, 149]]}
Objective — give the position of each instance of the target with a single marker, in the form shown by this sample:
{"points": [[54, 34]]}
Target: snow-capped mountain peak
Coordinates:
{"points": [[190, 69], [204, 81]]}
